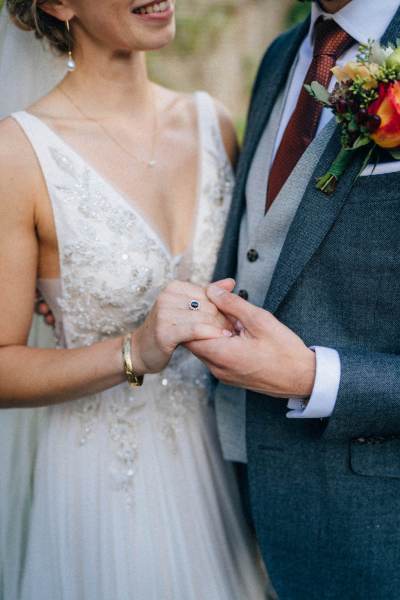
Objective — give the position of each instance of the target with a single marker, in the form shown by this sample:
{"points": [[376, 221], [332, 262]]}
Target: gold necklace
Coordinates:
{"points": [[151, 163]]}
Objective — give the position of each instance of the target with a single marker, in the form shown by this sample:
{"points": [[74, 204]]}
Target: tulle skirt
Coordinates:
{"points": [[132, 500]]}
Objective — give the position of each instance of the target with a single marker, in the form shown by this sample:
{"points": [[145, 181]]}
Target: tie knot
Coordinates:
{"points": [[330, 39]]}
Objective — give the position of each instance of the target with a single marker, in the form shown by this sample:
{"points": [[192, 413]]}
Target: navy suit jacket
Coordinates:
{"points": [[325, 494]]}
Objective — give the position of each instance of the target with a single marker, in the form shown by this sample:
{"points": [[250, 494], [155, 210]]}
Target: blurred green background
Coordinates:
{"points": [[219, 45]]}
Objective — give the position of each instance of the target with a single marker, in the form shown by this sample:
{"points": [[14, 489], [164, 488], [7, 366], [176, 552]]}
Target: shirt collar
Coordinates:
{"points": [[362, 19]]}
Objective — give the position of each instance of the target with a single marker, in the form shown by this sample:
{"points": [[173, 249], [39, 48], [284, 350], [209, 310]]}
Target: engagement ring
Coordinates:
{"points": [[194, 305]]}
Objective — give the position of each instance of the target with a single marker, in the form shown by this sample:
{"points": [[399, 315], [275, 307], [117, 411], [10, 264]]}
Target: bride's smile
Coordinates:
{"points": [[155, 11]]}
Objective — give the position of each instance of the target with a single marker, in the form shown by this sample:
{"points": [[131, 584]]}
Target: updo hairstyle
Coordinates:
{"points": [[28, 15]]}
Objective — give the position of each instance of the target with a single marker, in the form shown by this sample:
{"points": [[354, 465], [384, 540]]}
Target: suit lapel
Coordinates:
{"points": [[392, 33], [271, 83], [313, 220], [317, 212], [271, 79]]}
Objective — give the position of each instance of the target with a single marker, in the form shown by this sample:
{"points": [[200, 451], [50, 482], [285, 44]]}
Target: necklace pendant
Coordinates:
{"points": [[152, 164]]}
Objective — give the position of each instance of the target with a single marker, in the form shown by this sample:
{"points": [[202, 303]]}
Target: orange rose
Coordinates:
{"points": [[387, 108], [353, 70]]}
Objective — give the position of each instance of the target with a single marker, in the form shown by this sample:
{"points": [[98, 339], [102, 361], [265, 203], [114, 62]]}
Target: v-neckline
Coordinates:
{"points": [[152, 230]]}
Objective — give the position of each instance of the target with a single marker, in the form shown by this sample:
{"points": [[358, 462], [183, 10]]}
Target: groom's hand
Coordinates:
{"points": [[266, 356]]}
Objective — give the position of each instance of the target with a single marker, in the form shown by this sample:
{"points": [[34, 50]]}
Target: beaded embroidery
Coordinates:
{"points": [[112, 270]]}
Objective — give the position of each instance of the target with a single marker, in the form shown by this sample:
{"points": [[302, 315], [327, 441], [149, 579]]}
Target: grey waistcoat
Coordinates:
{"points": [[267, 235]]}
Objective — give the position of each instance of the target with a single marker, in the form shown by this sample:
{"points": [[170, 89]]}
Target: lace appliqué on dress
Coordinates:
{"points": [[112, 272], [184, 388], [109, 284]]}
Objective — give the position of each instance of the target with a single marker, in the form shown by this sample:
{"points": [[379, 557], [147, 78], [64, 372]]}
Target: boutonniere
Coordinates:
{"points": [[366, 104]]}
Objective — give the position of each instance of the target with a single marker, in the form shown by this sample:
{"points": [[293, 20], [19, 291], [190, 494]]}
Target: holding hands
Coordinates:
{"points": [[242, 345], [265, 357], [172, 322]]}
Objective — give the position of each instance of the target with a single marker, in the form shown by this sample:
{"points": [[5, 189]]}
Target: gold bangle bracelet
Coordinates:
{"points": [[133, 379]]}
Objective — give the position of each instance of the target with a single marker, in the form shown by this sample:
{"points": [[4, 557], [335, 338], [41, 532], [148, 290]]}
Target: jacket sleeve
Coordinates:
{"points": [[368, 401]]}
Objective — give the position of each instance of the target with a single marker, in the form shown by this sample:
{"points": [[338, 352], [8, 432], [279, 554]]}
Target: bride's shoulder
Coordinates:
{"points": [[9, 127], [228, 131], [19, 173], [14, 145], [182, 108]]}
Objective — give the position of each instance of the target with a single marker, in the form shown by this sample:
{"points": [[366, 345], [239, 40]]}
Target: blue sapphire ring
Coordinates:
{"points": [[194, 305]]}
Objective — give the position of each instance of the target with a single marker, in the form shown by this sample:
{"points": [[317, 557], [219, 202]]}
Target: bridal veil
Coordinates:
{"points": [[28, 70]]}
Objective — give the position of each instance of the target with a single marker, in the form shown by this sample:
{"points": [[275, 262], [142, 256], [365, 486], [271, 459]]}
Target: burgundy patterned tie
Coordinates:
{"points": [[330, 43]]}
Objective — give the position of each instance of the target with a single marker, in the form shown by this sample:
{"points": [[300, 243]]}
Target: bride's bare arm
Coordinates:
{"points": [[36, 377], [33, 377]]}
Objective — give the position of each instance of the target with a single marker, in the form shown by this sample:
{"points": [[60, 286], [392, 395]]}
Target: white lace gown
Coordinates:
{"points": [[132, 499]]}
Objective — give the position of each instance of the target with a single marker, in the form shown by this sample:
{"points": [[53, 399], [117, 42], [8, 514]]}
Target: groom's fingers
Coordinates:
{"points": [[229, 285], [226, 284], [235, 307], [212, 352]]}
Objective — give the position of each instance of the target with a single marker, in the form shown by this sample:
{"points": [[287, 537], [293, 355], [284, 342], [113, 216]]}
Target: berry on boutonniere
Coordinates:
{"points": [[362, 116], [373, 123]]}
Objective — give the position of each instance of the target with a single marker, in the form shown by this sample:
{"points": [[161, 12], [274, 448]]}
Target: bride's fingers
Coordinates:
{"points": [[179, 300], [189, 291], [235, 323], [216, 319], [186, 288], [201, 331], [174, 306], [179, 327]]}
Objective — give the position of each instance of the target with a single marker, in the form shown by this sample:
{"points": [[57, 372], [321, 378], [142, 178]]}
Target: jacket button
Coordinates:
{"points": [[252, 255], [243, 294]]}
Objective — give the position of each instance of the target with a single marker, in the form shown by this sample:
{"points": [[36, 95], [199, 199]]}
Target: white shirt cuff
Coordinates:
{"points": [[326, 386]]}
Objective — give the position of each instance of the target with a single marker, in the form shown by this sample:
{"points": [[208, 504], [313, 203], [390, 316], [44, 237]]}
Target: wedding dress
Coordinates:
{"points": [[131, 497]]}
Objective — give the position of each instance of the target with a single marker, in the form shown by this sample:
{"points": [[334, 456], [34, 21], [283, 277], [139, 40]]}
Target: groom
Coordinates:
{"points": [[310, 392]]}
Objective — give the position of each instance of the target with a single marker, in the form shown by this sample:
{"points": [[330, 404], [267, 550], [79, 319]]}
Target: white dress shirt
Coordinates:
{"points": [[364, 20]]}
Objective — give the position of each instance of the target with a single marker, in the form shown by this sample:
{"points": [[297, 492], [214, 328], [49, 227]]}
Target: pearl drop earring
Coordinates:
{"points": [[71, 64]]}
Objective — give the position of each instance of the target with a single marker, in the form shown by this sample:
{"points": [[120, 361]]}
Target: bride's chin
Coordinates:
{"points": [[157, 42], [153, 36]]}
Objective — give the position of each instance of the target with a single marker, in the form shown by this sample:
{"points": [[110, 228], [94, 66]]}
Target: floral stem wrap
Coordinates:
{"points": [[328, 182]]}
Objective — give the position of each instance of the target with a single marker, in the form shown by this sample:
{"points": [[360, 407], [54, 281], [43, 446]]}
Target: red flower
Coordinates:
{"points": [[387, 108]]}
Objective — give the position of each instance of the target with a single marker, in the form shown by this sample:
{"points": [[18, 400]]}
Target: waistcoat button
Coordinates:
{"points": [[252, 255], [244, 294]]}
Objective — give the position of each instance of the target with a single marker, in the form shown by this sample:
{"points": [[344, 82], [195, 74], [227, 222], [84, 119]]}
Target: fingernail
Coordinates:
{"points": [[239, 326], [227, 333], [215, 292]]}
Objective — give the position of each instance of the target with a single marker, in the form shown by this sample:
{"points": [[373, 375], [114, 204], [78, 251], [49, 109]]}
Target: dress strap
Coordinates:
{"points": [[31, 129], [43, 145], [60, 176]]}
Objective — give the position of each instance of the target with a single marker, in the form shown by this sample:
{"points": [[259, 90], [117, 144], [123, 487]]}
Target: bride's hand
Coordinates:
{"points": [[171, 323]]}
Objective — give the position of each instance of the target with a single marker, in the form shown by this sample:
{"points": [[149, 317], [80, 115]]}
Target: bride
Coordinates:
{"points": [[114, 194]]}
